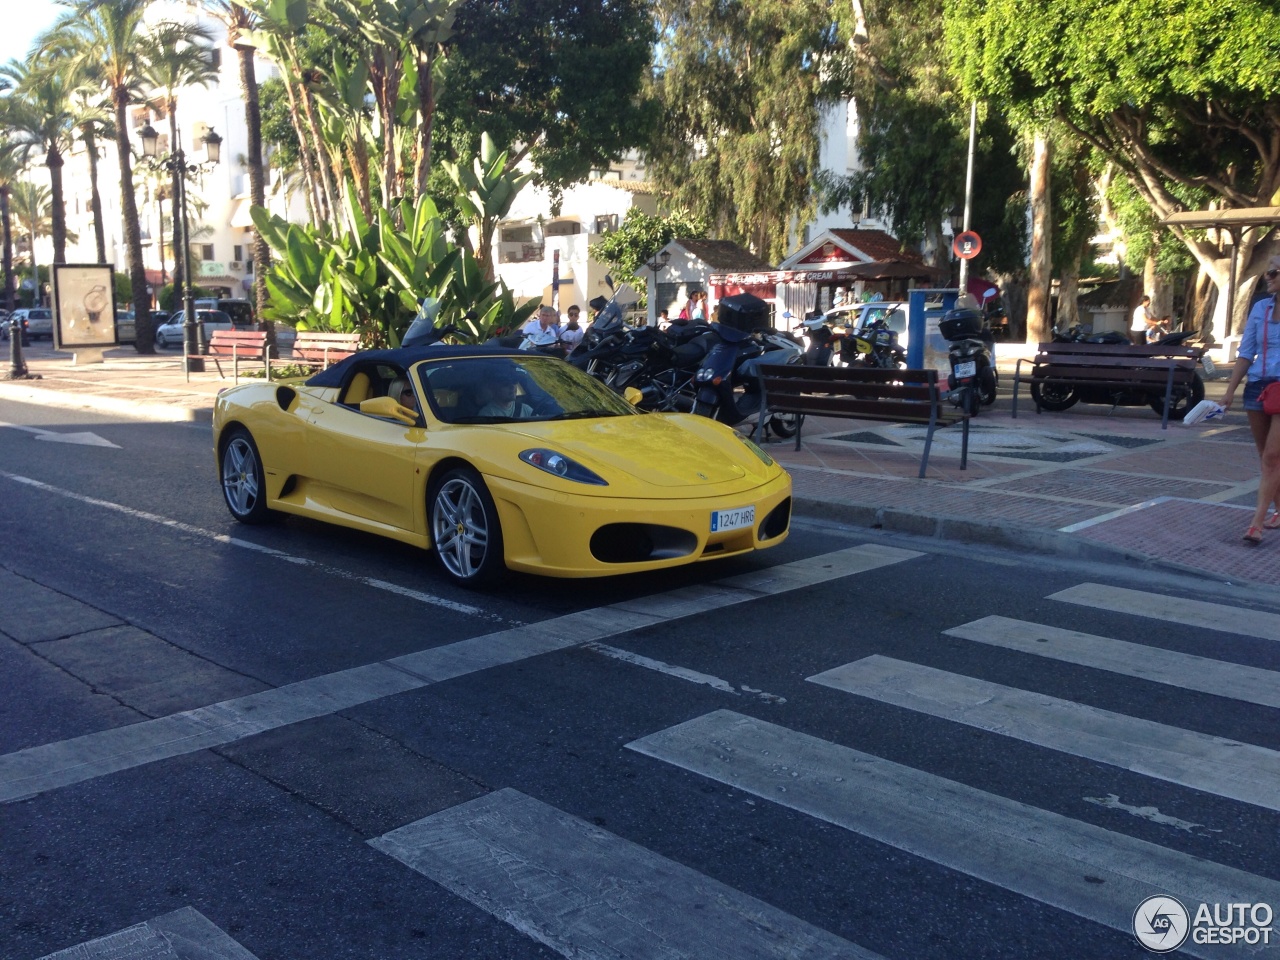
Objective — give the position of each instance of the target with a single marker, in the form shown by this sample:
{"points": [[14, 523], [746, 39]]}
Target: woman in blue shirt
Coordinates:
{"points": [[1259, 357]]}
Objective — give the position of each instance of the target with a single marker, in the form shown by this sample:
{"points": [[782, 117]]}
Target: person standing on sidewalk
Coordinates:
{"points": [[1259, 357]]}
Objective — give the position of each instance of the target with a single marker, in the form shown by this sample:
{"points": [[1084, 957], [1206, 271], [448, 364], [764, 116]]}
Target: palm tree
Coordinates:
{"points": [[8, 177], [92, 118], [177, 58], [40, 119], [109, 34], [31, 210], [240, 23]]}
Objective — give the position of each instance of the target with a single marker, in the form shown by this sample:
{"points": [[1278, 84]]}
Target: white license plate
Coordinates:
{"points": [[732, 519], [1209, 367], [966, 369]]}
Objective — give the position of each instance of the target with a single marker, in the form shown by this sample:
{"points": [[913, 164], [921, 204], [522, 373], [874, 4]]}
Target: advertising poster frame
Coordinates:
{"points": [[84, 306]]}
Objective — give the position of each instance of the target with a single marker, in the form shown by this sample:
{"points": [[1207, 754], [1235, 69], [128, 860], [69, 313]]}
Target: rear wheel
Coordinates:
{"points": [[244, 485], [466, 534], [970, 400], [987, 388], [1183, 400], [1053, 396]]}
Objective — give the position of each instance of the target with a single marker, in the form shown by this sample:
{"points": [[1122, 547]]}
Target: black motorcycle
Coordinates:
{"points": [[971, 350], [1052, 396]]}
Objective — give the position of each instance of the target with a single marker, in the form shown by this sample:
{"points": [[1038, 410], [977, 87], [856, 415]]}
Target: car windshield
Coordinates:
{"points": [[508, 389]]}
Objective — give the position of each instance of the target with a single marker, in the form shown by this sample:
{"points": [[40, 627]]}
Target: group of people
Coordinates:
{"points": [[544, 328], [1146, 326]]}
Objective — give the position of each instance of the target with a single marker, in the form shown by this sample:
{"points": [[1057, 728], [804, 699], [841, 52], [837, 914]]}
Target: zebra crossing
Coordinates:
{"points": [[583, 891]]}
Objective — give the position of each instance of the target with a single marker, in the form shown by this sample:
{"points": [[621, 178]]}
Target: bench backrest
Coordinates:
{"points": [[1055, 350], [243, 343], [908, 395], [325, 347]]}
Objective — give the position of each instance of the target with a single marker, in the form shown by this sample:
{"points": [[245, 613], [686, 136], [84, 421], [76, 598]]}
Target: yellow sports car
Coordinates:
{"points": [[497, 459]]}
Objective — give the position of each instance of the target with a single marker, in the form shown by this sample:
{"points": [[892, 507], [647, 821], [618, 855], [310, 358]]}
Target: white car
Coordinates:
{"points": [[170, 333]]}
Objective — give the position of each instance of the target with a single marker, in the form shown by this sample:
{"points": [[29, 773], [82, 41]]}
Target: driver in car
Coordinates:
{"points": [[503, 401]]}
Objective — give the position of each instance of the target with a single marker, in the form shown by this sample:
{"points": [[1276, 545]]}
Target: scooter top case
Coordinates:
{"points": [[743, 312]]}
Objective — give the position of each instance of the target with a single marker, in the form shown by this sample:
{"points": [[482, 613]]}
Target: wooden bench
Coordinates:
{"points": [[233, 345], [1114, 367], [856, 393], [314, 349]]}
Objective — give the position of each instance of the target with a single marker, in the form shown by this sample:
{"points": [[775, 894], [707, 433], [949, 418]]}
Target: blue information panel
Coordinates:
{"points": [[925, 347]]}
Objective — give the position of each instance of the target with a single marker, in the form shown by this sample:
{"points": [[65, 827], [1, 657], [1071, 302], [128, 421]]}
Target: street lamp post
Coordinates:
{"points": [[176, 162], [655, 265]]}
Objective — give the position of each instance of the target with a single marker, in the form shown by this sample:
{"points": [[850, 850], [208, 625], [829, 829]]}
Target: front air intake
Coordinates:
{"points": [[638, 542]]}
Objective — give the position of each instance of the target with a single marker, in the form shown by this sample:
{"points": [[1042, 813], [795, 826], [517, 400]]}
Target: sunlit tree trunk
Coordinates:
{"points": [[140, 300], [95, 195], [1038, 320]]}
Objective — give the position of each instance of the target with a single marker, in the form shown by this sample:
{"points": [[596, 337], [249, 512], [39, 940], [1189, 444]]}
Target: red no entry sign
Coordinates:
{"points": [[966, 245]]}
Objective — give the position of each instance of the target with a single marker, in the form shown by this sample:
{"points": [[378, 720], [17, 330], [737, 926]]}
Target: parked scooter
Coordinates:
{"points": [[973, 375], [874, 345], [1061, 396], [728, 388]]}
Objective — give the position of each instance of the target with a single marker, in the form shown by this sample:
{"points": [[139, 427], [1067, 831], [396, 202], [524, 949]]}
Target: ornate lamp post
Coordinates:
{"points": [[655, 265], [176, 162]]}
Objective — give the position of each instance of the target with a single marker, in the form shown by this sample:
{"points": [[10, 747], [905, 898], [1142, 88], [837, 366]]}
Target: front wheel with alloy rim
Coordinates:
{"points": [[465, 532], [244, 484]]}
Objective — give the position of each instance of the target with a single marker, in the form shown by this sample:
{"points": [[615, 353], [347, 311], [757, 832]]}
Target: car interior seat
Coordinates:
{"points": [[358, 390]]}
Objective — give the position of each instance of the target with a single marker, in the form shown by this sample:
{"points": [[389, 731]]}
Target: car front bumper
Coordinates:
{"points": [[560, 535]]}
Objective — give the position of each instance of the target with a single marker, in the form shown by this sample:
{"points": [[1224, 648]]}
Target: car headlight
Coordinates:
{"points": [[561, 466], [755, 448]]}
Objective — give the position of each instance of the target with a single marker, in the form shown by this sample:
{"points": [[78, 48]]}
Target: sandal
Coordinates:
{"points": [[1272, 522], [1253, 535]]}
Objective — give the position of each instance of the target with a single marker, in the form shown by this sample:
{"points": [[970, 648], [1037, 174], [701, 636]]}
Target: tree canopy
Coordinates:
{"points": [[741, 87], [1183, 97]]}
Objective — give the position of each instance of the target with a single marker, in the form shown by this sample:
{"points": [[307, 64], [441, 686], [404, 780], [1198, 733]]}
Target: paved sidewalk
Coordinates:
{"points": [[1087, 482]]}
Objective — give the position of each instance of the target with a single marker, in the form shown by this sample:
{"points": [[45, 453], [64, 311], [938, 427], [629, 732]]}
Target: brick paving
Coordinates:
{"points": [[1087, 477]]}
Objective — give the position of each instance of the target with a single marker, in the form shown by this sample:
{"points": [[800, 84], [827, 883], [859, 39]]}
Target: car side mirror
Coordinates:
{"points": [[632, 395], [390, 408]]}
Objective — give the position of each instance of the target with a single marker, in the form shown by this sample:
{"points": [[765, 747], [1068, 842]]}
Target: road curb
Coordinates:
{"points": [[155, 411], [994, 533]]}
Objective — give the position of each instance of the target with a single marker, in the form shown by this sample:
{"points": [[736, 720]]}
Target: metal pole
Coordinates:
{"points": [[968, 190], [190, 338]]}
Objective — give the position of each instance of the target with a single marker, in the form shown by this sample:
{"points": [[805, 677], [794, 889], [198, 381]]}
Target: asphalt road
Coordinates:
{"points": [[785, 756]]}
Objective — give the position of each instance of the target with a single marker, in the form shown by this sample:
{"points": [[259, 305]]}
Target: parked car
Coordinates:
{"points": [[37, 321], [125, 324], [170, 333], [9, 319], [240, 311]]}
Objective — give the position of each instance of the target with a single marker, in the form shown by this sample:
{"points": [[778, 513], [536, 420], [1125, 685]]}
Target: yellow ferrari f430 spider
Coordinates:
{"points": [[497, 460]]}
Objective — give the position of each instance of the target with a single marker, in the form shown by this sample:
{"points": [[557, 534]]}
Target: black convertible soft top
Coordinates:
{"points": [[404, 357]]}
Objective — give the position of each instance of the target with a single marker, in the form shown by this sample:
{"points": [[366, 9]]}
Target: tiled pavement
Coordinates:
{"points": [[1087, 481]]}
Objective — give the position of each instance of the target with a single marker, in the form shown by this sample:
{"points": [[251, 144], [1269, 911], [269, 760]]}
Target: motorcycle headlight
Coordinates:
{"points": [[561, 466], [705, 374]]}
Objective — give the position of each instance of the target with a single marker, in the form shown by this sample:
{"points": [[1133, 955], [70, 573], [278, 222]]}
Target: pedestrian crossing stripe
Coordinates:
{"points": [[1075, 866], [29, 772], [1170, 667], [181, 935], [1227, 768], [1158, 606], [586, 892]]}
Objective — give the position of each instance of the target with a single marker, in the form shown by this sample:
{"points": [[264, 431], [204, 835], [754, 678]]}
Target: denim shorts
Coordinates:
{"points": [[1252, 390]]}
